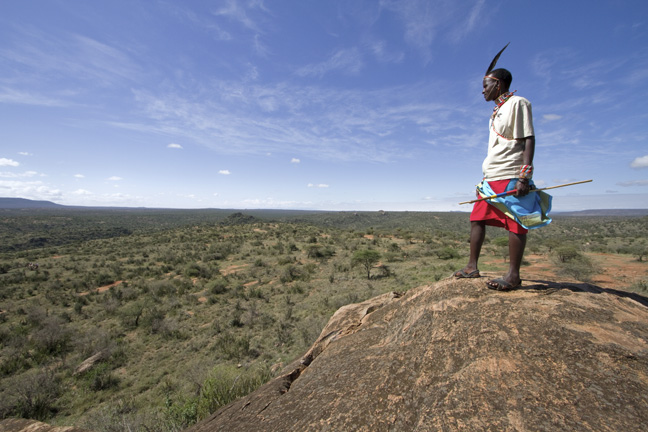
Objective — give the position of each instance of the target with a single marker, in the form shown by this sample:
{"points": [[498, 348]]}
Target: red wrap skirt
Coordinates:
{"points": [[482, 211]]}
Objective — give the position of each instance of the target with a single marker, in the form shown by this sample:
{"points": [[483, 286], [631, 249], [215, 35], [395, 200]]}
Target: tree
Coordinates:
{"points": [[640, 250], [367, 258]]}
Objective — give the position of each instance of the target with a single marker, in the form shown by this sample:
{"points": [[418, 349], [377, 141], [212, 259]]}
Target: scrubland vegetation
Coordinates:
{"points": [[149, 319]]}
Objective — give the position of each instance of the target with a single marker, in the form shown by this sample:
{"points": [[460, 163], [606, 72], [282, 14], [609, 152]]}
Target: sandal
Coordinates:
{"points": [[462, 274], [502, 285]]}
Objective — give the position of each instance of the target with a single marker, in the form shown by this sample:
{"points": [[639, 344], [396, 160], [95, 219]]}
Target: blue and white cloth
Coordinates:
{"points": [[530, 211]]}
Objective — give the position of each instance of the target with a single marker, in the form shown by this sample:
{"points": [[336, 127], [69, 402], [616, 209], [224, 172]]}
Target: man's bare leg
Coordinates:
{"points": [[477, 235], [517, 243]]}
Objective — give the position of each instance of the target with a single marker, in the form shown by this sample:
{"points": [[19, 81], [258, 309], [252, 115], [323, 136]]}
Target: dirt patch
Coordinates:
{"points": [[610, 270], [102, 289], [233, 268]]}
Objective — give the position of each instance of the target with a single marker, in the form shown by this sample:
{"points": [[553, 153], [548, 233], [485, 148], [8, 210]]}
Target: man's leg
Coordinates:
{"points": [[477, 235], [517, 243]]}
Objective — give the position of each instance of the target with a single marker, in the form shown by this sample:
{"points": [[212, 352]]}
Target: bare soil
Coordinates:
{"points": [[611, 270]]}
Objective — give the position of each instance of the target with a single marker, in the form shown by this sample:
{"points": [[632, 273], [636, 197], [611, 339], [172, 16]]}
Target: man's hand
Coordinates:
{"points": [[522, 188]]}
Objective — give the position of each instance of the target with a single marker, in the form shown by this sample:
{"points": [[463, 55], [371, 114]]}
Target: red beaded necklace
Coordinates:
{"points": [[501, 100]]}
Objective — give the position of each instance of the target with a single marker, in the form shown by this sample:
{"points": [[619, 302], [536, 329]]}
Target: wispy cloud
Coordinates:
{"points": [[382, 53], [346, 61], [319, 122], [295, 161], [114, 178], [14, 96], [421, 20], [200, 21], [224, 172], [633, 183], [238, 11], [174, 146], [320, 185], [68, 55], [18, 175]]}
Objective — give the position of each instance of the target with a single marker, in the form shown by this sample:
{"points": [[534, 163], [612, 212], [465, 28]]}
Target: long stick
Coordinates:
{"points": [[513, 191]]}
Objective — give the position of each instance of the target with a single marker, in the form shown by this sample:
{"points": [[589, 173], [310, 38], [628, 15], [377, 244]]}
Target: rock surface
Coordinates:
{"points": [[456, 356], [22, 425]]}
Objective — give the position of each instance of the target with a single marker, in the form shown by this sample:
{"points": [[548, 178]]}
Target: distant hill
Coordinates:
{"points": [[605, 212], [22, 203], [353, 218]]}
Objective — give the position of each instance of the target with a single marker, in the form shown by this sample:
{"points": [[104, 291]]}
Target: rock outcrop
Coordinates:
{"points": [[456, 356], [23, 425]]}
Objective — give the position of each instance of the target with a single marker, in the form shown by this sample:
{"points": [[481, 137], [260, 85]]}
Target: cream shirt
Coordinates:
{"points": [[513, 122]]}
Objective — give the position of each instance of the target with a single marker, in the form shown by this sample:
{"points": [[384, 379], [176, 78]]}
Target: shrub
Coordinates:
{"points": [[571, 262], [100, 377], [225, 384], [567, 253], [32, 395], [52, 338], [217, 286], [233, 347], [447, 253]]}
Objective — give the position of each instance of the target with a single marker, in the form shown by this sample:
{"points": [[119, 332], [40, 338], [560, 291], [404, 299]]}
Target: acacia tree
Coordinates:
{"points": [[367, 258]]}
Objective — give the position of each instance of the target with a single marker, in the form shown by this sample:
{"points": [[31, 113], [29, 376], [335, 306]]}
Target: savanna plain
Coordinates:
{"points": [[140, 320]]}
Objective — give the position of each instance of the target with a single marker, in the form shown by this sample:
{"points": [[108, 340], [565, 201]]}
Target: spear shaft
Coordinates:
{"points": [[513, 191]]}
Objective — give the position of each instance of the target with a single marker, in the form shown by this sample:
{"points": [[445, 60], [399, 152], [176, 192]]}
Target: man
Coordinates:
{"points": [[508, 166]]}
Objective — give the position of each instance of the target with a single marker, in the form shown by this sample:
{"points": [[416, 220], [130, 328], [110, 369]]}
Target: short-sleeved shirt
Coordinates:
{"points": [[512, 122]]}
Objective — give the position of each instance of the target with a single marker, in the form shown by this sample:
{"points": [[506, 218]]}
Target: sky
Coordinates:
{"points": [[318, 105]]}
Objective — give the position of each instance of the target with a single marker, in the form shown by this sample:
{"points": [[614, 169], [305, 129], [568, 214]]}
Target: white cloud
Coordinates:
{"points": [[79, 176], [25, 154], [224, 172], [82, 192], [114, 178], [28, 189], [321, 185], [633, 183], [551, 117], [8, 162], [174, 146], [295, 160], [640, 162]]}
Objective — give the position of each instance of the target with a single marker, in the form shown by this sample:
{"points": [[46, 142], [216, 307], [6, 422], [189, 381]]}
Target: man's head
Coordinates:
{"points": [[496, 82], [503, 76]]}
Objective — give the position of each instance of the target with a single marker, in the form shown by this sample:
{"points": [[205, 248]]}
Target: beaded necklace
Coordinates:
{"points": [[501, 100]]}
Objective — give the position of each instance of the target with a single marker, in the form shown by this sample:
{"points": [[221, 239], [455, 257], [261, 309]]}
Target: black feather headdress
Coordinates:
{"points": [[494, 62]]}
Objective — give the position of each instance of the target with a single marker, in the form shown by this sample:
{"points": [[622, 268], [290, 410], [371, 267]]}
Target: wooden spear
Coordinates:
{"points": [[513, 191]]}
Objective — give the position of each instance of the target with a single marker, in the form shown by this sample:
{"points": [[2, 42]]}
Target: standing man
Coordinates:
{"points": [[508, 167]]}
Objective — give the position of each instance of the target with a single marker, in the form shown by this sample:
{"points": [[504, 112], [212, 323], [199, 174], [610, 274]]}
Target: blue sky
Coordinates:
{"points": [[302, 104]]}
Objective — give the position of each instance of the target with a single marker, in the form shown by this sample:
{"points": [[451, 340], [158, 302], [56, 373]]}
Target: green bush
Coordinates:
{"points": [[572, 263], [447, 253], [32, 395], [224, 385]]}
